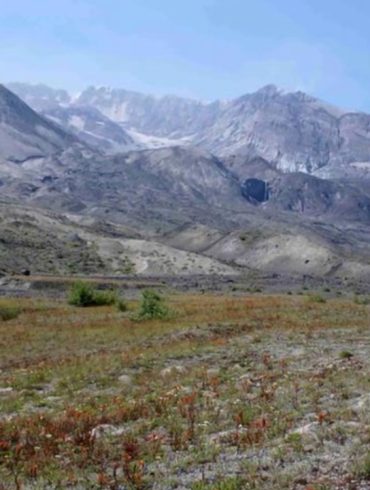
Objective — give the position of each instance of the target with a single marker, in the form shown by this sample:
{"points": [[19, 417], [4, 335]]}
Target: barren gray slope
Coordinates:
{"points": [[279, 244], [153, 189], [24, 134], [49, 243]]}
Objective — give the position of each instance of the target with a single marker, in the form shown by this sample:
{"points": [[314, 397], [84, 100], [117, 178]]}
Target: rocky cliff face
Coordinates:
{"points": [[92, 127], [294, 132], [168, 116], [332, 201]]}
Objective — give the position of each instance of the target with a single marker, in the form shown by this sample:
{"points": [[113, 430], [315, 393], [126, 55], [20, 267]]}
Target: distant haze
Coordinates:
{"points": [[204, 49]]}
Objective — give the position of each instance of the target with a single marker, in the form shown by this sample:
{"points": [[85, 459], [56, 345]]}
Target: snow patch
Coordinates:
{"points": [[77, 122], [147, 141]]}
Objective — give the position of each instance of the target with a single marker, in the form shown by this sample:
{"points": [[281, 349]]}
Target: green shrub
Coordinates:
{"points": [[83, 294], [103, 298], [8, 312], [233, 483], [316, 298], [363, 468], [345, 354], [152, 307], [121, 305], [361, 300]]}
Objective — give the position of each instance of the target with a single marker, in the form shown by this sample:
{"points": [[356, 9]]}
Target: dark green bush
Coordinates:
{"points": [[121, 305], [345, 354], [9, 312], [316, 298], [152, 307], [361, 300], [83, 294]]}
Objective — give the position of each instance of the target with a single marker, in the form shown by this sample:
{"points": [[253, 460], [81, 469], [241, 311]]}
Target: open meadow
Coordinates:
{"points": [[228, 392]]}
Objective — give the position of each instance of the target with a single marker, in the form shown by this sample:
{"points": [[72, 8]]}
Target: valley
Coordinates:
{"points": [[184, 245], [246, 224]]}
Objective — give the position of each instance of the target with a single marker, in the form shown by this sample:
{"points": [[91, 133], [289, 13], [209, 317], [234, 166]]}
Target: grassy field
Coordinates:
{"points": [[245, 392]]}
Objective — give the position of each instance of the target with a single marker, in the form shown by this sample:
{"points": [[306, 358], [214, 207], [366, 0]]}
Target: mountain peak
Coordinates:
{"points": [[12, 108], [24, 133], [269, 90], [6, 95]]}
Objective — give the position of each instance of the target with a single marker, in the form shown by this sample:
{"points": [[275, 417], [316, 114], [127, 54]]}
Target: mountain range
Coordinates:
{"points": [[271, 181], [293, 131]]}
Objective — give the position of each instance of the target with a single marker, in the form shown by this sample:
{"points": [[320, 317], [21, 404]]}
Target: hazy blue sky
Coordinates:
{"points": [[200, 48]]}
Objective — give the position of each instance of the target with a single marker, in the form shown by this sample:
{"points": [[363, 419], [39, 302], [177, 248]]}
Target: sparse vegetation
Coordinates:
{"points": [[363, 468], [225, 484], [361, 300], [316, 298], [235, 392]]}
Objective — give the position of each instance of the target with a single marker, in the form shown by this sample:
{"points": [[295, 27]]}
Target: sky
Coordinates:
{"points": [[204, 49]]}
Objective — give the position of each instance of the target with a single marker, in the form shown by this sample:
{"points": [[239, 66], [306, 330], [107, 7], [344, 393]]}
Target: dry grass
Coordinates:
{"points": [[233, 392]]}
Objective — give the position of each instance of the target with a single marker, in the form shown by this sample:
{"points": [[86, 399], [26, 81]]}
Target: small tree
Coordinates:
{"points": [[81, 294], [152, 306]]}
